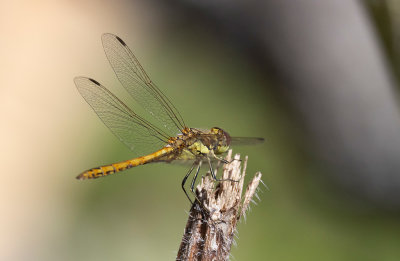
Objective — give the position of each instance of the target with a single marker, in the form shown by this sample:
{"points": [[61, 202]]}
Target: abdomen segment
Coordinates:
{"points": [[120, 166]]}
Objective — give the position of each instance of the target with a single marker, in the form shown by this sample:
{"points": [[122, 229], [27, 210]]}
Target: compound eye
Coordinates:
{"points": [[227, 138]]}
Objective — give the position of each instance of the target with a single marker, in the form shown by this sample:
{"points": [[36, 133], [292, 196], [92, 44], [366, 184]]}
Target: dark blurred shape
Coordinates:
{"points": [[328, 57]]}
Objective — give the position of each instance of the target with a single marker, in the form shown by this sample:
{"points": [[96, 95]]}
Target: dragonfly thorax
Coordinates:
{"points": [[224, 140], [203, 143]]}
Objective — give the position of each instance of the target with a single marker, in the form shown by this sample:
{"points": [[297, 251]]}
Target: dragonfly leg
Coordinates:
{"points": [[184, 181], [213, 174], [224, 160], [198, 163], [229, 161], [195, 177]]}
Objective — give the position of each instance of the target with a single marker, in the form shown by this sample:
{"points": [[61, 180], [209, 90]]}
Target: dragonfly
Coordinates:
{"points": [[164, 138]]}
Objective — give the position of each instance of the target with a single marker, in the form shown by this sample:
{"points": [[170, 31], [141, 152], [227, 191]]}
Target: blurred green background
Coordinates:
{"points": [[50, 135]]}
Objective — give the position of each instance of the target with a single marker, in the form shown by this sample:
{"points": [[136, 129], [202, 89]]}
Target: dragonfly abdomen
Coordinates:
{"points": [[120, 166]]}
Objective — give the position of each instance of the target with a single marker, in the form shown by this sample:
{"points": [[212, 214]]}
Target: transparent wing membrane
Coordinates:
{"points": [[246, 141], [135, 132], [138, 84]]}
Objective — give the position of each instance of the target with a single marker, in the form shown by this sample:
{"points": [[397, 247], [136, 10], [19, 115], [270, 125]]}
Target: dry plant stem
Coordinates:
{"points": [[209, 234]]}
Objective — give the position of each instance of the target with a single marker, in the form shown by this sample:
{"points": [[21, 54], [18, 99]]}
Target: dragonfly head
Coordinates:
{"points": [[224, 140]]}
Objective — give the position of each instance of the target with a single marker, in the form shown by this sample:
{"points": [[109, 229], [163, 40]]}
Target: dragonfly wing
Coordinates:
{"points": [[138, 84], [134, 131], [246, 141]]}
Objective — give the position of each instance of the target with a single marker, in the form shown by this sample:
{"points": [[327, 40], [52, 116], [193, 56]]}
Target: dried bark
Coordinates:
{"points": [[212, 223]]}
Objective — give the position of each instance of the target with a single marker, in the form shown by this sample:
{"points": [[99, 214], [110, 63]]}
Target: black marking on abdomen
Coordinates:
{"points": [[101, 170]]}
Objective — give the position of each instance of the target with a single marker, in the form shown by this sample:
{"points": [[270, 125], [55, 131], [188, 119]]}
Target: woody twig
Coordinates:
{"points": [[211, 226]]}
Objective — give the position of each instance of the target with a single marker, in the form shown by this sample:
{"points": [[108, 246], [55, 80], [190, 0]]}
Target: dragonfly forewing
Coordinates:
{"points": [[138, 84]]}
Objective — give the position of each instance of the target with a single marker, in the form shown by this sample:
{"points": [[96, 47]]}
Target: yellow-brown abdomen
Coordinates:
{"points": [[117, 167]]}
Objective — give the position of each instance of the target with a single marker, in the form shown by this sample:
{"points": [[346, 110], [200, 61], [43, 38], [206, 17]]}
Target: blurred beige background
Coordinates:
{"points": [[49, 135]]}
